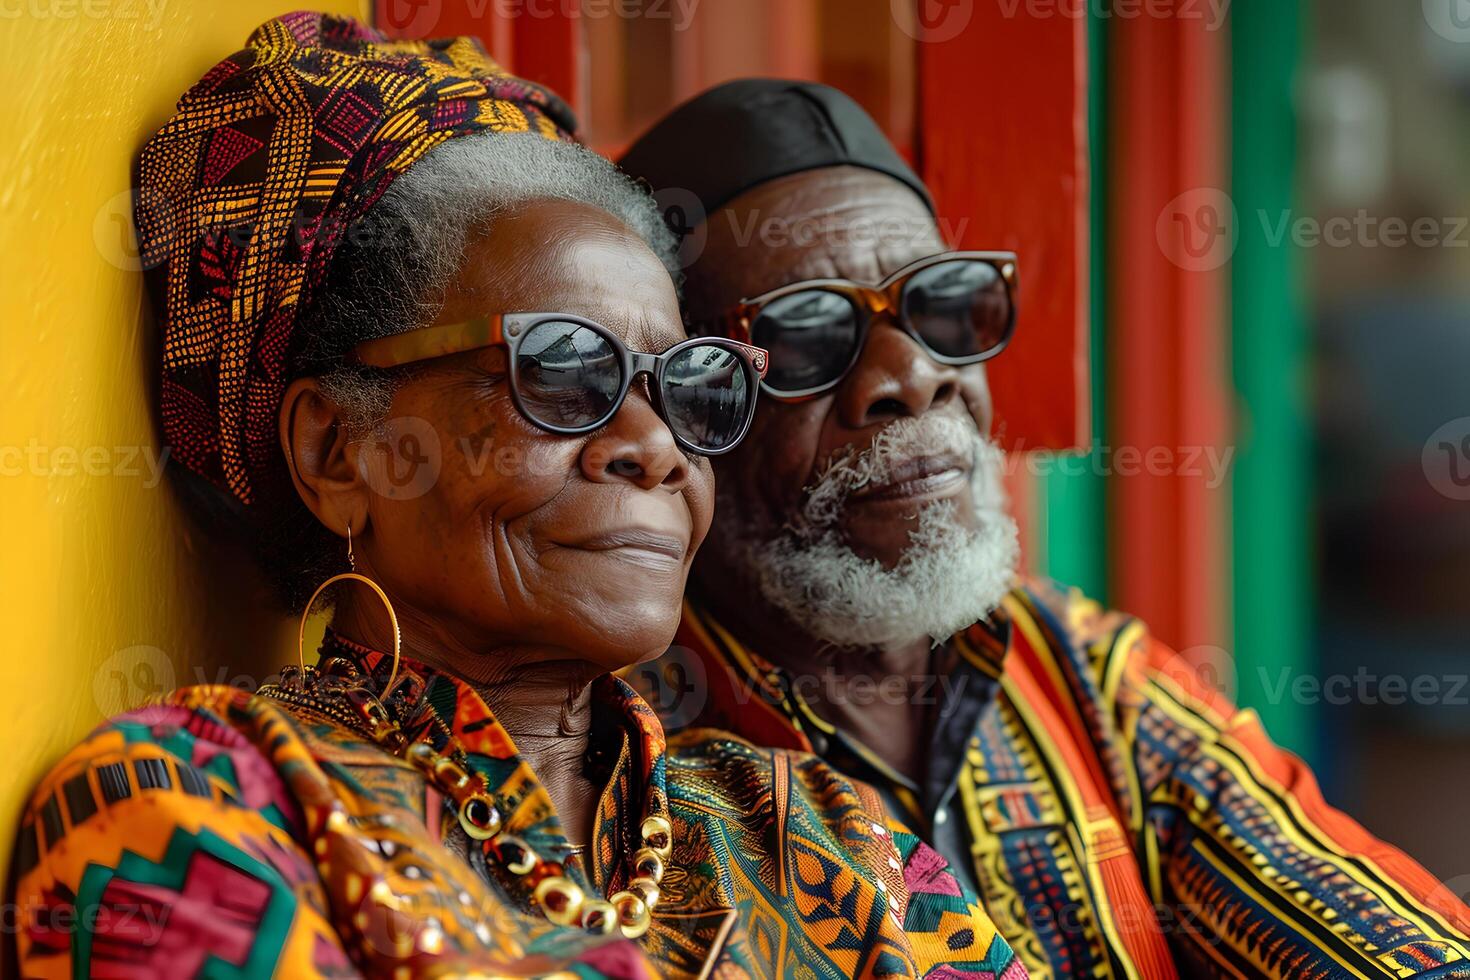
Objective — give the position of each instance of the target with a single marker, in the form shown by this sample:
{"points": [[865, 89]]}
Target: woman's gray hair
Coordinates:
{"points": [[389, 275], [396, 264]]}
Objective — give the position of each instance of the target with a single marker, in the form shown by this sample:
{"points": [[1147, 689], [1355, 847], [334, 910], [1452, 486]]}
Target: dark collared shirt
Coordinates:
{"points": [[961, 685]]}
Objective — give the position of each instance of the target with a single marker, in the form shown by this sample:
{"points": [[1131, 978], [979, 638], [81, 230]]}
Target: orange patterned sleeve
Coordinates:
{"points": [[163, 845], [1273, 881]]}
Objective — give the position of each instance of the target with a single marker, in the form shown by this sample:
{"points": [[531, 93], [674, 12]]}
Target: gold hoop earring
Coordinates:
{"points": [[377, 589]]}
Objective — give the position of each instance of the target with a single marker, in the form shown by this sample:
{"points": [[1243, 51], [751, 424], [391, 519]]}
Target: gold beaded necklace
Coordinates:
{"points": [[560, 899]]}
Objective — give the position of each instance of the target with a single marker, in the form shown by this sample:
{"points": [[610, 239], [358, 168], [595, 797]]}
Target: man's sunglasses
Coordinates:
{"points": [[569, 375], [959, 306]]}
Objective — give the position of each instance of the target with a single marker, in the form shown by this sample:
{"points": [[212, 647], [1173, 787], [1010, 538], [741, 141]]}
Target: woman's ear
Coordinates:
{"points": [[322, 458]]}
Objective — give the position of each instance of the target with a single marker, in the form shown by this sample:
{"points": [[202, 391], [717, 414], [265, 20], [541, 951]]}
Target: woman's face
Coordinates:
{"points": [[497, 534]]}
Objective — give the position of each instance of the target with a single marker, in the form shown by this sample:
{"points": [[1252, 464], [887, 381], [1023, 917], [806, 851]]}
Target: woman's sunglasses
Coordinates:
{"points": [[569, 375], [959, 306]]}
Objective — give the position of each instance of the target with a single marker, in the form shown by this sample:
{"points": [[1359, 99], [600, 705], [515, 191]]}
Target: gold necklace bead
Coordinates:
{"points": [[634, 916], [449, 775], [646, 889], [561, 900], [421, 755], [515, 854], [479, 817], [599, 917], [431, 940], [383, 895], [647, 864], [658, 834]]}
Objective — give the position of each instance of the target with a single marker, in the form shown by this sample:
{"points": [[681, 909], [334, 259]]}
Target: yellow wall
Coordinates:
{"points": [[107, 593]]}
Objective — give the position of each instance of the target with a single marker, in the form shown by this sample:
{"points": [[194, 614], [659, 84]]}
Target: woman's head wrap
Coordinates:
{"points": [[243, 197]]}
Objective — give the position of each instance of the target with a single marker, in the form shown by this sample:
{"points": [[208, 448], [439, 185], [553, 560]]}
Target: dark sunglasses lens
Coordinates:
{"points": [[707, 396], [960, 308], [811, 336], [568, 375]]}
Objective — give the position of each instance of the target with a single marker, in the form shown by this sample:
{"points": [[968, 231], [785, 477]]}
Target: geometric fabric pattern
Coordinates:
{"points": [[221, 833], [1118, 816]]}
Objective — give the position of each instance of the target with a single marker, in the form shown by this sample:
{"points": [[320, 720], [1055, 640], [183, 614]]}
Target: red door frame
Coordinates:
{"points": [[1003, 146], [1168, 357]]}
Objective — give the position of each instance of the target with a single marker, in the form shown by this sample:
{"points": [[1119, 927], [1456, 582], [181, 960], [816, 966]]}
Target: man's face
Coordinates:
{"points": [[913, 427]]}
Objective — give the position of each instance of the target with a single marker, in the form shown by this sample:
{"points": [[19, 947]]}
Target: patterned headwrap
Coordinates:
{"points": [[242, 199]]}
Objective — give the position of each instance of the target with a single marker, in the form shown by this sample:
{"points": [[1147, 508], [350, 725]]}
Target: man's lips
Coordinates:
{"points": [[927, 476]]}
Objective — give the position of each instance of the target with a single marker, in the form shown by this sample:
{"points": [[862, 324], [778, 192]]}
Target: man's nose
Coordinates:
{"points": [[893, 378]]}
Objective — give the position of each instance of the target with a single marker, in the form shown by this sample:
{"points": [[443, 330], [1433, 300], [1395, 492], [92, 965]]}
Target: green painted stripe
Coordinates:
{"points": [[1272, 477]]}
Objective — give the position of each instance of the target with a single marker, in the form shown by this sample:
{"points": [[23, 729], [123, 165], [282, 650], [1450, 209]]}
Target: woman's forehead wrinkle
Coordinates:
{"points": [[642, 328], [605, 278], [489, 281]]}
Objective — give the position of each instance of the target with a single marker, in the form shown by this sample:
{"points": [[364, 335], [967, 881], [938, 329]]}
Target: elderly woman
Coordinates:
{"points": [[361, 243]]}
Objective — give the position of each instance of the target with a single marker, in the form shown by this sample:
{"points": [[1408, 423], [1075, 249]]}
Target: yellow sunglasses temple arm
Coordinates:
{"points": [[425, 343]]}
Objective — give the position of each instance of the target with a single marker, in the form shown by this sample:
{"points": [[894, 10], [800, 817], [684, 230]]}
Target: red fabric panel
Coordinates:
{"points": [[1168, 357], [1002, 144], [549, 50]]}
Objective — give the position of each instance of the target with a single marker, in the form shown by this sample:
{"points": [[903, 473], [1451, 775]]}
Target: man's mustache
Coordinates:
{"points": [[898, 444]]}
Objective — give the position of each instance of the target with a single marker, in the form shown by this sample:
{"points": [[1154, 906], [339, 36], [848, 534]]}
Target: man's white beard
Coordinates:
{"points": [[948, 577]]}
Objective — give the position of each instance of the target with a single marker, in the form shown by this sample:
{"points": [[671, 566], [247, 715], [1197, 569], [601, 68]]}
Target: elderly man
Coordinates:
{"points": [[857, 597]]}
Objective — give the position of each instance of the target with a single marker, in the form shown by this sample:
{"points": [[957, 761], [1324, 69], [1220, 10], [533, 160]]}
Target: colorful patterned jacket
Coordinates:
{"points": [[220, 833], [1119, 818]]}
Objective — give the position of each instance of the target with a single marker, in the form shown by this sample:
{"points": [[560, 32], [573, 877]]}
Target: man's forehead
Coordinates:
{"points": [[840, 222]]}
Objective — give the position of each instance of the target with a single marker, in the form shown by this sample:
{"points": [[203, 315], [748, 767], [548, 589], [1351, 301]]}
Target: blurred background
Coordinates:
{"points": [[1235, 405], [1385, 123]]}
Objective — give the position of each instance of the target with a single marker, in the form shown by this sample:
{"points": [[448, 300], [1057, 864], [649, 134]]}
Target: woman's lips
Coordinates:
{"points": [[641, 546], [929, 476]]}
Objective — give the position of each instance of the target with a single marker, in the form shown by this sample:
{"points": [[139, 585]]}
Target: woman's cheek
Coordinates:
{"points": [[700, 498]]}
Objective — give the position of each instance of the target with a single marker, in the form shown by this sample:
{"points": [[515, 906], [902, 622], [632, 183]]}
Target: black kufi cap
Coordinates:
{"points": [[744, 133]]}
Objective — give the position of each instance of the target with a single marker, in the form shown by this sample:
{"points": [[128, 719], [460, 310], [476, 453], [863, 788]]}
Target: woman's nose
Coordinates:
{"points": [[636, 446]]}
